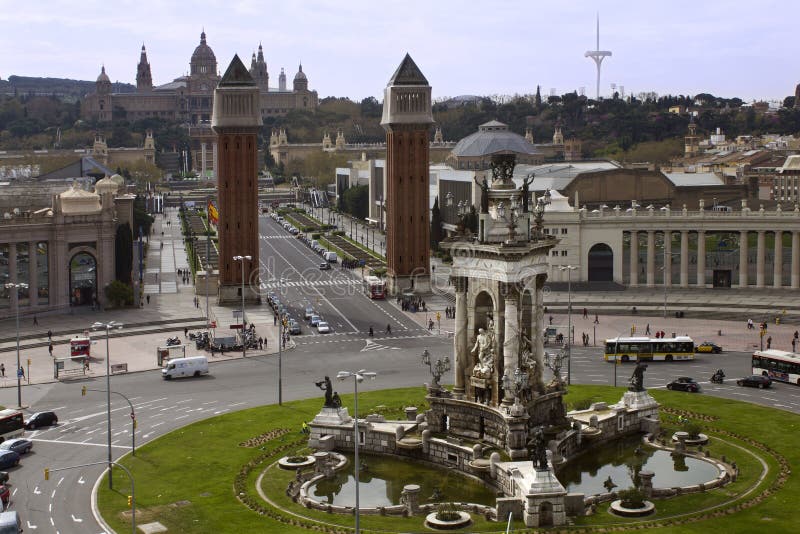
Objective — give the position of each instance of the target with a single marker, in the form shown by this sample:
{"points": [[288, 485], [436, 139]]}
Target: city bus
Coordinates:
{"points": [[12, 424], [649, 349], [778, 365], [376, 287]]}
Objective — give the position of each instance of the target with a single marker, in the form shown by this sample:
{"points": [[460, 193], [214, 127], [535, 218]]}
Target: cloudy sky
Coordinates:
{"points": [[351, 47]]}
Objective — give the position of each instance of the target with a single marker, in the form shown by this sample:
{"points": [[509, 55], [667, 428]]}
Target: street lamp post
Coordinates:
{"points": [[358, 376], [244, 322], [108, 326], [16, 288], [569, 269], [280, 349]]}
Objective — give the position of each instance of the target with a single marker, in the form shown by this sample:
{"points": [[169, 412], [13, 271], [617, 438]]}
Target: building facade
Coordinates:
{"points": [[65, 252], [190, 98]]}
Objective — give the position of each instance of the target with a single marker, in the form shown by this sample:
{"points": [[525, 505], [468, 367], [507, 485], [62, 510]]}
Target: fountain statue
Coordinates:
{"points": [[327, 387], [637, 378]]}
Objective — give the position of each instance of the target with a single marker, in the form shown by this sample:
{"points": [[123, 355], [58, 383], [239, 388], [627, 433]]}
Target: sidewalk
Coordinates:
{"points": [[170, 309]]}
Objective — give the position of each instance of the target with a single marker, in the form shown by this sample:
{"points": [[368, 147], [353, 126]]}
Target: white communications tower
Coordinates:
{"points": [[598, 56]]}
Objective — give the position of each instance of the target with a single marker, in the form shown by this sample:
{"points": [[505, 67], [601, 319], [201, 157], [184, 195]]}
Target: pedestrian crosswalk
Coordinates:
{"points": [[311, 283]]}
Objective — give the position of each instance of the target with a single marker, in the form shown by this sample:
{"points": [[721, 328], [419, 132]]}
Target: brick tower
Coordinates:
{"points": [[236, 120], [407, 120]]}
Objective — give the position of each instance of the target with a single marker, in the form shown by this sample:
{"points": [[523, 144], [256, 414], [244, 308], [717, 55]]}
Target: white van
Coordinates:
{"points": [[314, 244], [180, 367], [331, 257], [10, 523]]}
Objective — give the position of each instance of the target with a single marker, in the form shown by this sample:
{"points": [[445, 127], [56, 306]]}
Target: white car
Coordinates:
{"points": [[315, 320], [323, 328]]}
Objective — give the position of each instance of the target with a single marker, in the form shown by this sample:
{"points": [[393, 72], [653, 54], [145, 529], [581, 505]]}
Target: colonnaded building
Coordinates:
{"points": [[190, 98]]}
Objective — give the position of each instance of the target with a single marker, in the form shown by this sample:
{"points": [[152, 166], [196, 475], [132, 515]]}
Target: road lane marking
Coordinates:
{"points": [[36, 491], [78, 443], [59, 482], [76, 519], [81, 481], [32, 527]]}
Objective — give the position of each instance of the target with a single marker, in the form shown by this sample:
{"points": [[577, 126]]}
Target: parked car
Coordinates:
{"points": [[323, 328], [315, 319], [8, 459], [324, 266], [18, 445], [755, 381], [40, 419], [707, 346], [309, 312], [294, 327], [684, 383]]}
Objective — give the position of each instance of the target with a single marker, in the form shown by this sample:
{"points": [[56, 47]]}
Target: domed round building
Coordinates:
{"points": [[475, 151]]}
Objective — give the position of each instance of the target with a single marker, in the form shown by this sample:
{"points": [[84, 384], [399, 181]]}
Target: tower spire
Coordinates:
{"points": [[597, 56]]}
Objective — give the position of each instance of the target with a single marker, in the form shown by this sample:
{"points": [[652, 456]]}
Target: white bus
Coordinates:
{"points": [[12, 424], [647, 349], [778, 365]]}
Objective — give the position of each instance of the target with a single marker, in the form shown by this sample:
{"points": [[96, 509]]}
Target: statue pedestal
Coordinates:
{"points": [[637, 400], [332, 417]]}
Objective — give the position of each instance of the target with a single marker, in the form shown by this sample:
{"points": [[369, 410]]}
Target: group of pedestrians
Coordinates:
{"points": [[185, 276], [450, 312], [349, 263], [413, 305]]}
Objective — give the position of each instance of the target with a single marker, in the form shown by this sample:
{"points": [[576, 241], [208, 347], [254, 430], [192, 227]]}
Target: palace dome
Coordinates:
{"points": [[103, 76], [76, 201], [106, 185], [203, 52], [491, 138]]}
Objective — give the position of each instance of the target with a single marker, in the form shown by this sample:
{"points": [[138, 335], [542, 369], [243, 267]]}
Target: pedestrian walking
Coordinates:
{"points": [[185, 331], [50, 349], [769, 342], [388, 329], [50, 335], [35, 320], [794, 344], [596, 319], [275, 319], [21, 372], [647, 329], [148, 299], [551, 319], [2, 369], [585, 313]]}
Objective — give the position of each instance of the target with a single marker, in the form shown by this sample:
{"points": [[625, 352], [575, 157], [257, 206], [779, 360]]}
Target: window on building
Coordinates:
{"points": [[563, 231], [554, 253], [563, 252]]}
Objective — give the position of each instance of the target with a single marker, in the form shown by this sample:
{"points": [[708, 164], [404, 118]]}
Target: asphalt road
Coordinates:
{"points": [[62, 504]]}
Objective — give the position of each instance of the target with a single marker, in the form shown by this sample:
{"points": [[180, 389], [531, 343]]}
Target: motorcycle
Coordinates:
{"points": [[172, 341], [718, 377]]}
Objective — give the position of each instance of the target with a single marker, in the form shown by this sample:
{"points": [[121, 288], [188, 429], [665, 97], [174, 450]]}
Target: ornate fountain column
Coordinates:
{"points": [[538, 333], [460, 341], [511, 337]]}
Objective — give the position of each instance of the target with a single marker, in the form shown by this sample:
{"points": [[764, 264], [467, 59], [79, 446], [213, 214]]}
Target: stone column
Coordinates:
{"points": [[203, 160], [701, 258], [795, 260], [760, 259], [12, 275], [214, 161], [651, 258], [460, 341], [538, 332], [777, 267], [634, 259], [668, 258], [743, 268], [33, 278], [684, 258], [510, 339]]}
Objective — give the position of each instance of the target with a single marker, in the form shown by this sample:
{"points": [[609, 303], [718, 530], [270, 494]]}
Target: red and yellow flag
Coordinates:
{"points": [[213, 214]]}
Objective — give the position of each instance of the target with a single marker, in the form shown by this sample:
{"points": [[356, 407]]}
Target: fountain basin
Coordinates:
{"points": [[616, 508], [432, 522]]}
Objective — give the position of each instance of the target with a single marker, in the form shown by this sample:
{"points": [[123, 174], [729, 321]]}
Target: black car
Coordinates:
{"points": [[684, 383], [40, 419], [755, 381]]}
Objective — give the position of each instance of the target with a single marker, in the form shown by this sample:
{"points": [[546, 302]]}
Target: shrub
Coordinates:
{"points": [[316, 236], [119, 293], [693, 429], [447, 511], [582, 404], [631, 498]]}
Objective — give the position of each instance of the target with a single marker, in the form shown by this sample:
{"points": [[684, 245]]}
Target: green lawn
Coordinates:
{"points": [[188, 480]]}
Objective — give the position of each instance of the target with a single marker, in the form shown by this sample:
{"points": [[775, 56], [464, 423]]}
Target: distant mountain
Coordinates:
{"points": [[62, 88]]}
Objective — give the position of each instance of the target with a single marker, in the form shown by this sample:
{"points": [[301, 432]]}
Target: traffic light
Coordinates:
{"points": [[46, 473], [29, 362], [83, 391], [130, 501]]}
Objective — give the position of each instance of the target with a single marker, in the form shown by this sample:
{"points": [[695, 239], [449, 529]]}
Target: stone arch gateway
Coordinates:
{"points": [[601, 263]]}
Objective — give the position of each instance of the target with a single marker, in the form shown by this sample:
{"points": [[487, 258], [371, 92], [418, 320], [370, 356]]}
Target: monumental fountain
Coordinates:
{"points": [[500, 423]]}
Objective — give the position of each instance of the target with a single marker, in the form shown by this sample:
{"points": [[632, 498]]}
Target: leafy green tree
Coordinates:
{"points": [[119, 293], [355, 201], [436, 225], [140, 216], [123, 253]]}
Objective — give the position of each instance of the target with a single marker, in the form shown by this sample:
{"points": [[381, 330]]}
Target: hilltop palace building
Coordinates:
{"points": [[189, 98]]}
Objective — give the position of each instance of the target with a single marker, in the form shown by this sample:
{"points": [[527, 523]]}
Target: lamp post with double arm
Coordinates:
{"points": [[17, 287], [358, 377], [569, 269], [108, 327], [244, 320]]}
